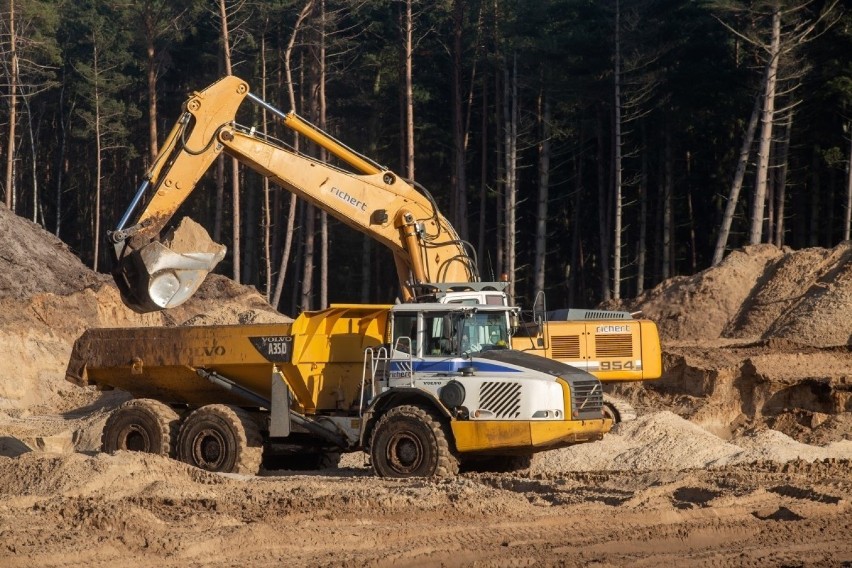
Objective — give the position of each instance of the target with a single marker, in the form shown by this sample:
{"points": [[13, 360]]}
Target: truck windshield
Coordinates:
{"points": [[460, 334], [450, 333], [482, 331]]}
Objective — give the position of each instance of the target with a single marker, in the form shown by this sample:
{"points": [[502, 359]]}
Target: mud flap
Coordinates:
{"points": [[279, 413]]}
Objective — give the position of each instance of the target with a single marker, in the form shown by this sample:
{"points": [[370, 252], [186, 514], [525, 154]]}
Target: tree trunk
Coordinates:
{"points": [[767, 120], [458, 201], [13, 106], [510, 109], [499, 150], [603, 212], [285, 255], [323, 123], [616, 160], [235, 165], [693, 253], [151, 76], [543, 194], [781, 168], [218, 219], [60, 159], [98, 161], [483, 184], [34, 162], [291, 214], [642, 245], [309, 239], [737, 183], [668, 210], [267, 213], [408, 48], [576, 204]]}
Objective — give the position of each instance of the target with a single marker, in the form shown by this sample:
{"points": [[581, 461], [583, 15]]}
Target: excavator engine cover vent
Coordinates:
{"points": [[565, 346], [620, 345]]}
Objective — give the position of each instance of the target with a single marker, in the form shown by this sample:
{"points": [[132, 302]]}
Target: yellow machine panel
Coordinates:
{"points": [[612, 350], [320, 356]]}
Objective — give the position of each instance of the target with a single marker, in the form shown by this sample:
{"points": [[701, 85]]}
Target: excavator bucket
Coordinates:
{"points": [[165, 274]]}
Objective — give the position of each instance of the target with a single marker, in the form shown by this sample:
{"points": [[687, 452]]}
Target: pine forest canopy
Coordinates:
{"points": [[590, 149]]}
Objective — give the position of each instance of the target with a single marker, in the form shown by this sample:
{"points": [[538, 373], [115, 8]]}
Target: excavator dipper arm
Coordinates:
{"points": [[375, 201]]}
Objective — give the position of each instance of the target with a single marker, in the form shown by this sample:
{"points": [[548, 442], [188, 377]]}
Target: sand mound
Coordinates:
{"points": [[48, 298], [102, 475], [33, 261], [759, 292], [665, 441], [761, 340]]}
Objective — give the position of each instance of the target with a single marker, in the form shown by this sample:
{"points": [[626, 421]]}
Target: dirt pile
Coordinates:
{"points": [[759, 292], [665, 441], [761, 340], [48, 297]]}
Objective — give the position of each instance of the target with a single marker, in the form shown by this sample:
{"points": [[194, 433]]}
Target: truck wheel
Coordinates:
{"points": [[141, 425], [409, 441], [220, 438]]}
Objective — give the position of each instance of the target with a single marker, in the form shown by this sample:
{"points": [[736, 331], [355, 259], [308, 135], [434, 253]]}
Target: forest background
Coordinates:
{"points": [[588, 149]]}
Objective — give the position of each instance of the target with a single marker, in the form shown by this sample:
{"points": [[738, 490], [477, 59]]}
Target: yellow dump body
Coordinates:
{"points": [[617, 350], [320, 355]]}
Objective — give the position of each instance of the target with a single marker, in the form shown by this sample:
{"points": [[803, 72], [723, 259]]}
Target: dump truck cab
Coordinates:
{"points": [[453, 361]]}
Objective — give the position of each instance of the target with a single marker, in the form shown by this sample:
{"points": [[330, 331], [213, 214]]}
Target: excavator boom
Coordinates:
{"points": [[152, 276]]}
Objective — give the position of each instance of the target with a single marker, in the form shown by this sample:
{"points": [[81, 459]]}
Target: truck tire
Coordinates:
{"points": [[221, 438], [618, 409], [141, 425], [409, 441]]}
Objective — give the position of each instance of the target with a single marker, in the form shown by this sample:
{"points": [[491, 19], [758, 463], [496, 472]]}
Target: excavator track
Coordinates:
{"points": [[618, 409]]}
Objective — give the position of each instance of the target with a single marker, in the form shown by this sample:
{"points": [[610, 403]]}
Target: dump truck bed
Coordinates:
{"points": [[162, 363]]}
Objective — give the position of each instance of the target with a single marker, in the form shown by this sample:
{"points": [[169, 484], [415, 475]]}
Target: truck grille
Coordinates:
{"points": [[503, 399], [620, 345], [586, 398], [565, 346]]}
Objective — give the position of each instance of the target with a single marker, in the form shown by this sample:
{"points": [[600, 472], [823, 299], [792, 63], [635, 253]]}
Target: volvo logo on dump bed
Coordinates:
{"points": [[275, 348]]}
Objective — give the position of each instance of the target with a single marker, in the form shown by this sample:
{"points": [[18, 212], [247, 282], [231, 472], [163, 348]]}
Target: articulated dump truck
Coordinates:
{"points": [[422, 388]]}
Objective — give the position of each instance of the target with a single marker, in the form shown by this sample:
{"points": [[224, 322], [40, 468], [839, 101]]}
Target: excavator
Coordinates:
{"points": [[432, 262], [426, 248]]}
